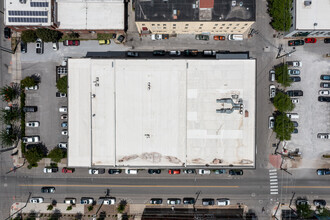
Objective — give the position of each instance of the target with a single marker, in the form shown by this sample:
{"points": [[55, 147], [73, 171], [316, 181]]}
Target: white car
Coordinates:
{"points": [[85, 200], [32, 124], [271, 122], [107, 201], [36, 87], [64, 132], [71, 201], [324, 92], [31, 139], [323, 135], [50, 170], [272, 91], [96, 171], [62, 145], [36, 200], [55, 46], [292, 115], [131, 171], [63, 109], [294, 63], [223, 202], [203, 172], [295, 101]]}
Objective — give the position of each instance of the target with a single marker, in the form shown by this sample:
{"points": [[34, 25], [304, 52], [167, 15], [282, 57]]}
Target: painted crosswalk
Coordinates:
{"points": [[273, 182]]}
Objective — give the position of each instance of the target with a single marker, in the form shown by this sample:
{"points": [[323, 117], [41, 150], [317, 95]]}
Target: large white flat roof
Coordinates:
{"points": [[90, 14], [153, 112], [317, 13]]}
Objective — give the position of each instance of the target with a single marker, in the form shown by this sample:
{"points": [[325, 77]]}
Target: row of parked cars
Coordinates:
{"points": [[191, 201], [176, 53], [324, 94], [73, 201], [306, 40]]}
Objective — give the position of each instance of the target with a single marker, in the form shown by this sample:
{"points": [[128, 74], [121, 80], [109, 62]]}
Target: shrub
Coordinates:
{"points": [[29, 36], [28, 82], [90, 208], [56, 154], [69, 208], [62, 84], [47, 35], [50, 207]]}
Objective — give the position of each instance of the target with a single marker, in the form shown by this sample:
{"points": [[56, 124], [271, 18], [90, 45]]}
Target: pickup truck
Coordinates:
{"points": [[39, 46]]}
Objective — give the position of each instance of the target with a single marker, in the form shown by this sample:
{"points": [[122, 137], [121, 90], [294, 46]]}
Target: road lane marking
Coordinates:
{"points": [[129, 186], [308, 187]]}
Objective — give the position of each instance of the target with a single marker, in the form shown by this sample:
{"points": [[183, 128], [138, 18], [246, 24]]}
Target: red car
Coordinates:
{"points": [[219, 38], [71, 43], [67, 170], [310, 40], [173, 171]]}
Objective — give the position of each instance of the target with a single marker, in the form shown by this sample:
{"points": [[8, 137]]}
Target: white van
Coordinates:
{"points": [[235, 37], [130, 171], [292, 115]]}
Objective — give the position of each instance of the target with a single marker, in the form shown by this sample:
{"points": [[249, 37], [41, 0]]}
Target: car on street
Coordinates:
{"points": [[62, 145], [173, 201], [70, 201], [64, 117], [114, 171], [63, 109], [207, 202], [189, 171], [293, 72], [310, 40], [294, 63], [30, 139], [295, 100], [107, 200], [7, 32], [131, 171], [36, 200], [202, 37], [64, 132], [156, 201], [324, 92], [223, 202], [48, 189], [323, 135], [96, 171], [86, 200], [322, 172], [325, 85], [55, 46], [295, 78], [132, 54], [324, 98], [68, 170], [32, 124], [204, 172], [71, 43], [173, 171], [159, 52], [174, 53], [23, 47], [64, 124], [319, 202], [293, 93], [220, 171], [325, 77], [236, 172], [271, 122], [296, 42], [272, 75], [302, 202], [326, 40], [154, 171], [188, 201], [272, 91], [104, 42], [156, 37], [35, 87], [219, 37], [50, 170], [190, 53]]}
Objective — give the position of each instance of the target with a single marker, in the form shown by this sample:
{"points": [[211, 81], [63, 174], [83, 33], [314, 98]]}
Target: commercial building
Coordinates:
{"points": [[192, 17], [310, 18], [161, 112]]}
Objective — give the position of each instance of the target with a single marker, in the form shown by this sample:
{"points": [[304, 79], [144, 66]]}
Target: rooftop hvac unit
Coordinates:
{"points": [[307, 3]]}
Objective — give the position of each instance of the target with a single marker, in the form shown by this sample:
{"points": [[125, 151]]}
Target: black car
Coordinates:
{"points": [[325, 85], [7, 32], [120, 38], [30, 146], [319, 202], [325, 77], [293, 93], [156, 171], [114, 36], [236, 172], [326, 40], [156, 201], [30, 108], [189, 171], [190, 53], [206, 202], [296, 42], [159, 52], [324, 98], [295, 131], [132, 54], [295, 78], [23, 47], [295, 124], [114, 171], [48, 189], [188, 201]]}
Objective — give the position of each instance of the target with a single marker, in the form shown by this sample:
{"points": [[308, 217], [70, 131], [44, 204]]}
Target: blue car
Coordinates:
{"points": [[325, 77], [64, 124], [322, 172]]}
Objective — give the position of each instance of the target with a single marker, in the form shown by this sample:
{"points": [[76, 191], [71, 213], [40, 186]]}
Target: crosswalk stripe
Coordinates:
{"points": [[274, 193], [274, 190], [274, 186], [270, 174], [273, 170], [273, 183], [273, 177], [273, 180]]}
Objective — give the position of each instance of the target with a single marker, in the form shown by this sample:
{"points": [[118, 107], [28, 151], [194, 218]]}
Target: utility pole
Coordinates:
{"points": [[107, 193]]}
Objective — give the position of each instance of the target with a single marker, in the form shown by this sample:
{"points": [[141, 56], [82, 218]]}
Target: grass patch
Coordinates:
{"points": [[104, 36], [22, 119]]}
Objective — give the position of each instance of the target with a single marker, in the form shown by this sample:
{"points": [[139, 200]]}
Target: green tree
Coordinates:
{"points": [[73, 35], [283, 127], [50, 207], [69, 208], [47, 35], [282, 76], [29, 36], [34, 155], [8, 137], [280, 11], [28, 82], [90, 208], [323, 212], [56, 154], [282, 102], [304, 211], [9, 93], [11, 115], [62, 84]]}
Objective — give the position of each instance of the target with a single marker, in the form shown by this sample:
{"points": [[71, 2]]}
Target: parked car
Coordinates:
{"points": [[64, 124], [189, 171], [132, 54], [324, 98], [319, 202], [296, 42], [156, 37], [272, 91], [62, 145], [30, 139], [154, 171], [209, 53], [63, 109], [295, 131], [39, 46], [64, 132], [221, 171], [295, 78], [55, 46], [35, 87], [156, 201], [64, 117], [86, 200], [159, 52], [33, 124], [322, 172], [272, 75], [294, 100], [302, 202], [188, 201], [204, 172], [70, 201], [174, 53], [173, 201], [190, 53], [114, 171], [236, 172], [131, 171], [293, 72], [60, 94], [207, 202], [50, 170], [223, 202], [30, 108], [325, 77], [173, 171], [7, 32], [120, 38], [293, 93], [71, 43], [36, 200], [324, 92], [104, 42], [68, 170], [295, 124], [323, 135], [48, 189], [107, 200], [292, 115], [271, 122], [202, 37], [217, 37], [310, 40], [23, 47], [325, 85], [326, 40], [96, 171], [294, 63]]}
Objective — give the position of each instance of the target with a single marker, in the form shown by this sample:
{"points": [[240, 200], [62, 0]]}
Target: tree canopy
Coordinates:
{"points": [[283, 127], [282, 102], [8, 116], [34, 155], [304, 211], [56, 154], [28, 82], [282, 75], [280, 11], [47, 35], [62, 84], [29, 36], [8, 138], [9, 93]]}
